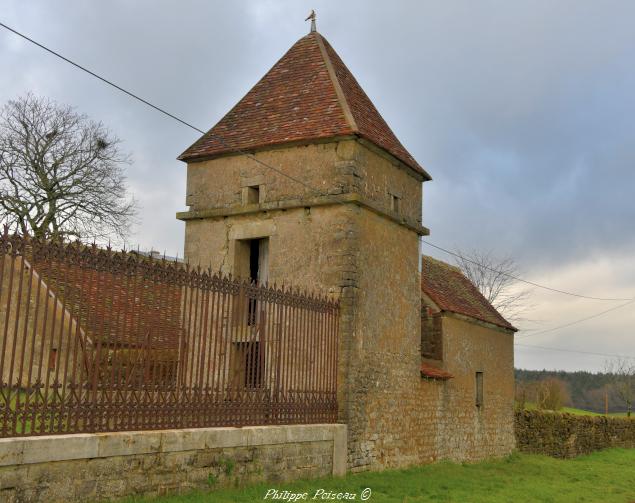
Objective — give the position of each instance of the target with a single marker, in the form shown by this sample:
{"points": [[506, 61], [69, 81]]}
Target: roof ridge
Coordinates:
{"points": [[341, 97], [451, 290], [308, 95], [443, 263]]}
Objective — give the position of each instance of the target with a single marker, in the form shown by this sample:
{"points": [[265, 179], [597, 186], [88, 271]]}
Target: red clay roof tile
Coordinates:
{"points": [[128, 316], [449, 289], [309, 94], [434, 373]]}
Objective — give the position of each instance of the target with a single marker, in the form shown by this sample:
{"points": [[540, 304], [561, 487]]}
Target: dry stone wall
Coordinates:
{"points": [[567, 435]]}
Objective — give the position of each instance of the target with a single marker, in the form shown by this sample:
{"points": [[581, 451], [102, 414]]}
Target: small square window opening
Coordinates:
{"points": [[251, 195]]}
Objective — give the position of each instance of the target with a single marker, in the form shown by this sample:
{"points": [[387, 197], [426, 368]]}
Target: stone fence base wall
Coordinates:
{"points": [[567, 436], [102, 466]]}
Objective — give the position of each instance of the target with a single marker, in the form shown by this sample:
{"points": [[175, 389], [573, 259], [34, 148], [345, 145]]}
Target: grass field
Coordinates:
{"points": [[607, 476], [582, 412], [578, 412]]}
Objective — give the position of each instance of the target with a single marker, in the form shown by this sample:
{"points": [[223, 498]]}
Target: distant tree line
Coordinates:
{"points": [[583, 390]]}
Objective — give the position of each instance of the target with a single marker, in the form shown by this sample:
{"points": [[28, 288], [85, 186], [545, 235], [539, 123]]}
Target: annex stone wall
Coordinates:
{"points": [[396, 417], [472, 432], [567, 435], [102, 466], [21, 319]]}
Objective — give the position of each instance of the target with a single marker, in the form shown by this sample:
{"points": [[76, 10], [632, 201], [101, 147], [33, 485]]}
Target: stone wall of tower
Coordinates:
{"points": [[348, 238], [313, 237], [309, 232], [325, 169]]}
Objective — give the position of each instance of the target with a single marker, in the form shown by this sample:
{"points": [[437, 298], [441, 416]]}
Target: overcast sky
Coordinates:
{"points": [[522, 112]]}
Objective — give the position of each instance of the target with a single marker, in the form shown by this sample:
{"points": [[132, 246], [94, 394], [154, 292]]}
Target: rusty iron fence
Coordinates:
{"points": [[95, 340]]}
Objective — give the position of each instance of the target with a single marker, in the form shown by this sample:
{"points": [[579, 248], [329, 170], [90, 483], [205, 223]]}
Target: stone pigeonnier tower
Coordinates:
{"points": [[303, 182]]}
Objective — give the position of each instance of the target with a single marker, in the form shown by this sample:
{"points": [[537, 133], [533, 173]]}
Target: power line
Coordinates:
{"points": [[159, 109], [578, 321], [313, 189], [607, 355], [524, 280], [110, 83], [262, 163]]}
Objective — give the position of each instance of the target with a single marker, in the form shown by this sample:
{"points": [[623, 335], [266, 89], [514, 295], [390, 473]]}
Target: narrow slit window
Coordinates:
{"points": [[254, 260], [395, 203], [479, 389], [254, 276], [251, 263]]}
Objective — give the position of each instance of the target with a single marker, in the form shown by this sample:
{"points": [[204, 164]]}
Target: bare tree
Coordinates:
{"points": [[552, 394], [623, 385], [494, 278], [61, 174]]}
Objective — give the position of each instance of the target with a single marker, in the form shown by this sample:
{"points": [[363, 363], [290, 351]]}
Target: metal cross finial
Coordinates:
{"points": [[312, 18]]}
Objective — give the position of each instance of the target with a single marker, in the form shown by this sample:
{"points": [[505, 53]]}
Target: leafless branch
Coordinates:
{"points": [[493, 277]]}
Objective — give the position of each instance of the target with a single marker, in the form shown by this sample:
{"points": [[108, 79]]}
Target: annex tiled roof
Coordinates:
{"points": [[432, 372], [127, 317], [309, 94], [449, 289]]}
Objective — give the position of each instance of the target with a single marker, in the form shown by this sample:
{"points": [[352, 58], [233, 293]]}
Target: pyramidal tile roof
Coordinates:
{"points": [[309, 94], [452, 291]]}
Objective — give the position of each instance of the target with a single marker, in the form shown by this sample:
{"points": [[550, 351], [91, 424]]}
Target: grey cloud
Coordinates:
{"points": [[523, 112]]}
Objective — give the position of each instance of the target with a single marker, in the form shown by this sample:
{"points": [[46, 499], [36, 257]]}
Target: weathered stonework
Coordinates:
{"points": [[21, 317], [350, 238], [102, 466], [567, 436]]}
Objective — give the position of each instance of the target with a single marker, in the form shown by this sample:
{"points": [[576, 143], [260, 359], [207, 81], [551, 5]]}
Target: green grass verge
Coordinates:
{"points": [[582, 412], [577, 412], [607, 476]]}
